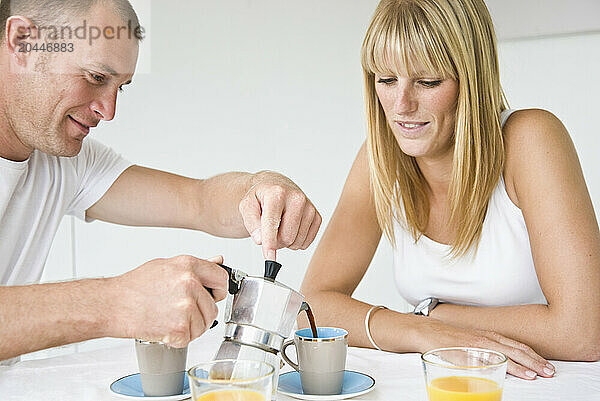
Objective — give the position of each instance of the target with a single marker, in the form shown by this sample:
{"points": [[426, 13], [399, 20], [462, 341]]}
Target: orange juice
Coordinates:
{"points": [[232, 395], [458, 388]]}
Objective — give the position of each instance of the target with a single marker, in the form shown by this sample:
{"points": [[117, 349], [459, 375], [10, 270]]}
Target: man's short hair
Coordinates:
{"points": [[57, 12]]}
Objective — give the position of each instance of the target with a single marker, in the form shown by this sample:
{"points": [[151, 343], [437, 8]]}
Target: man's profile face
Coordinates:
{"points": [[65, 94]]}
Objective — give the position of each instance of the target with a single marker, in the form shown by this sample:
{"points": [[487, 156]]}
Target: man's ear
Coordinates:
{"points": [[20, 31]]}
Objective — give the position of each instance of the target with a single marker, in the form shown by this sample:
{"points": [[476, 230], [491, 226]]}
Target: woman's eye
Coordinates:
{"points": [[430, 84], [121, 89], [386, 81]]}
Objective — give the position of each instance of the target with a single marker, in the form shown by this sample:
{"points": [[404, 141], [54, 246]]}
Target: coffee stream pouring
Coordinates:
{"points": [[259, 315]]}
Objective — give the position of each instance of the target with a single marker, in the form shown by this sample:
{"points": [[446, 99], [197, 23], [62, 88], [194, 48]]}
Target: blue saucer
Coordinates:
{"points": [[131, 387], [355, 384]]}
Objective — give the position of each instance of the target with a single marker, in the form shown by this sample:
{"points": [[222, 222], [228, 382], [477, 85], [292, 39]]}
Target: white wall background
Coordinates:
{"points": [[522, 19], [270, 84]]}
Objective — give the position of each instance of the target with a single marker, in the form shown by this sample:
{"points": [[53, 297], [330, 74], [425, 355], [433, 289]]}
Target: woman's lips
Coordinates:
{"points": [[411, 128]]}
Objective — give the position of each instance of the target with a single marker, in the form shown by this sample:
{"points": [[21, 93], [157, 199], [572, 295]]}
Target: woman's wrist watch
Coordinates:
{"points": [[425, 307]]}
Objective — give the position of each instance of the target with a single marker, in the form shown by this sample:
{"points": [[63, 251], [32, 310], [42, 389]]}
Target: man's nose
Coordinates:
{"points": [[105, 106]]}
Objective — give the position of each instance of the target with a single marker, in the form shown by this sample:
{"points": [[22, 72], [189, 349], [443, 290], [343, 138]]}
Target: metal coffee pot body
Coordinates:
{"points": [[260, 314]]}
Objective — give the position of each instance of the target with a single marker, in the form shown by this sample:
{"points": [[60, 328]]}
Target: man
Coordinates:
{"points": [[48, 104]]}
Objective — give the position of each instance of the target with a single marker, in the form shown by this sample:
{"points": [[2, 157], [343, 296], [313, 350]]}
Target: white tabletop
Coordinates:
{"points": [[86, 376]]}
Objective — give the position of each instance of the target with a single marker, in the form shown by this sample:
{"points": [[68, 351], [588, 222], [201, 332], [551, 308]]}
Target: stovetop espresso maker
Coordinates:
{"points": [[259, 315]]}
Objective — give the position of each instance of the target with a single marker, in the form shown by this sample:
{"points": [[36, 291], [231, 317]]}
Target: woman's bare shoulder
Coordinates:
{"points": [[532, 127], [532, 139]]}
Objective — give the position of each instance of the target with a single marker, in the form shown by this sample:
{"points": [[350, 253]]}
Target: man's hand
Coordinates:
{"points": [[168, 299], [277, 214]]}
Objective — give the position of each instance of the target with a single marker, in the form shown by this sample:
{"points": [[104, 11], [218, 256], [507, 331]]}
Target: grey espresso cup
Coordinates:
{"points": [[162, 368], [321, 361]]}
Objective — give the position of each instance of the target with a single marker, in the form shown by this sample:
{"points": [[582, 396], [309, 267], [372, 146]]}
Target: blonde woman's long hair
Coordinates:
{"points": [[452, 39]]}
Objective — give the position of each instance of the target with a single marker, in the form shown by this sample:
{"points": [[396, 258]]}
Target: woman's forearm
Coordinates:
{"points": [[406, 332], [573, 335], [391, 331], [535, 325]]}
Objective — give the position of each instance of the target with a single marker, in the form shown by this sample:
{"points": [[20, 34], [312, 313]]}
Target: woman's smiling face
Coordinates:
{"points": [[421, 112]]}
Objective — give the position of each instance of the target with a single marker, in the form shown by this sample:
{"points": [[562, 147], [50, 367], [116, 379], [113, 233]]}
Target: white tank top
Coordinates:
{"points": [[500, 273]]}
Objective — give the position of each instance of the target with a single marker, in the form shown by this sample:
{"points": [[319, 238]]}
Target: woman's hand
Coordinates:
{"points": [[523, 361]]}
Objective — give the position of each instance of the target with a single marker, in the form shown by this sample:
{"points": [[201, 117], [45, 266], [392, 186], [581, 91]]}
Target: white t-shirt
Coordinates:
{"points": [[35, 195]]}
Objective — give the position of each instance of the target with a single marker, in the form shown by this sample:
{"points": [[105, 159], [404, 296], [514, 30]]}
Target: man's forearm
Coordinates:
{"points": [[217, 199], [41, 316], [567, 337], [146, 197]]}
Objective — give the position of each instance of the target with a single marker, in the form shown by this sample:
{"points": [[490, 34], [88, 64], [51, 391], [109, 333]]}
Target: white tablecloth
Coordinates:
{"points": [[86, 376]]}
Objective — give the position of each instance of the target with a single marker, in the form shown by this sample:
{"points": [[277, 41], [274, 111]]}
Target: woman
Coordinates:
{"points": [[487, 209]]}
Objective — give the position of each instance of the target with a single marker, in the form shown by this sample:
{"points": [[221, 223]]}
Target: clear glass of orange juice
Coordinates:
{"points": [[231, 380], [464, 374]]}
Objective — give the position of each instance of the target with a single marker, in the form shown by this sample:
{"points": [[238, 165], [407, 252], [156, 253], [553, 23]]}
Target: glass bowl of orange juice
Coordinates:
{"points": [[464, 374], [231, 380]]}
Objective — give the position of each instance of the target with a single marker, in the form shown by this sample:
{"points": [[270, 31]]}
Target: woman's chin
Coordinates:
{"points": [[413, 148]]}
